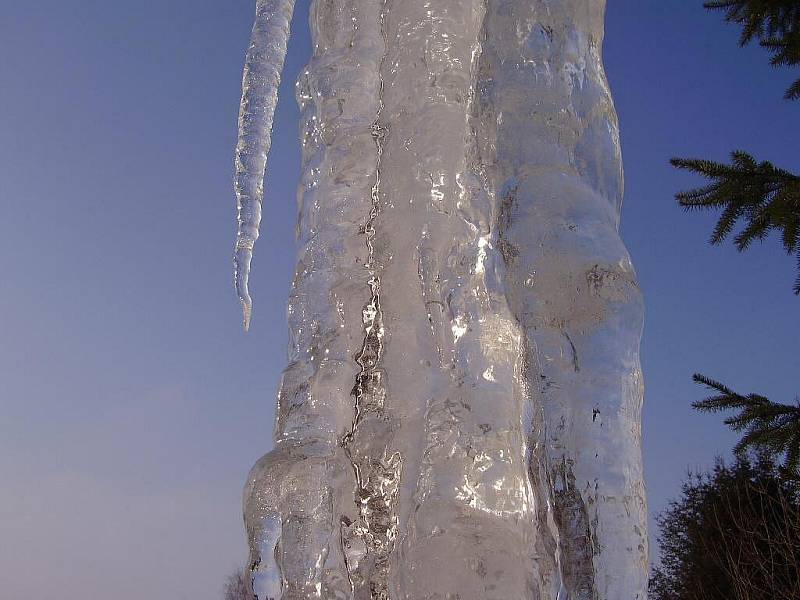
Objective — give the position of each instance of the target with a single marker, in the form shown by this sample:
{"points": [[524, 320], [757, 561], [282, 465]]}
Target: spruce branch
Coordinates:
{"points": [[764, 197], [774, 23], [766, 425]]}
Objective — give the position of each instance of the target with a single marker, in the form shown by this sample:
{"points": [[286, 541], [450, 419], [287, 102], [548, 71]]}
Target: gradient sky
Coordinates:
{"points": [[131, 403]]}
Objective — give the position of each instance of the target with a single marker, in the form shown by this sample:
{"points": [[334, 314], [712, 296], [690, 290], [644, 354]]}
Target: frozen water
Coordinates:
{"points": [[460, 416], [262, 76]]}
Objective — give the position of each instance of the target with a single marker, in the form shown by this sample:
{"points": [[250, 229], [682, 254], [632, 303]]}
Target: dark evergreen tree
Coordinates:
{"points": [[733, 535]]}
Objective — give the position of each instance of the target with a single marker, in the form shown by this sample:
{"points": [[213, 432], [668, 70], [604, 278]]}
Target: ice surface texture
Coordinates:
{"points": [[460, 416]]}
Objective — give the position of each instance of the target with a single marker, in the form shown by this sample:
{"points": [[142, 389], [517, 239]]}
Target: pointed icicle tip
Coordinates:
{"points": [[247, 311], [241, 273]]}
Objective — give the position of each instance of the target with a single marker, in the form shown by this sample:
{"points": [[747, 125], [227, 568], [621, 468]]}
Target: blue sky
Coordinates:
{"points": [[131, 403]]}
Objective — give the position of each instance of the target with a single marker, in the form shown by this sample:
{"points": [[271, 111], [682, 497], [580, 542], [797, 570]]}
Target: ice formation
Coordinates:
{"points": [[460, 416], [262, 76]]}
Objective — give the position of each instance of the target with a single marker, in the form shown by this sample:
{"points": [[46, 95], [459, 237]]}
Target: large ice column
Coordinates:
{"points": [[468, 518], [550, 134], [459, 416], [301, 495]]}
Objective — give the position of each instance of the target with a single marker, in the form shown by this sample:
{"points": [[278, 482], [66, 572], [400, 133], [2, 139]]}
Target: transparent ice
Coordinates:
{"points": [[460, 416], [262, 76]]}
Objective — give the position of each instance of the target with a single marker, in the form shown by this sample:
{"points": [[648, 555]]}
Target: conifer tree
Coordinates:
{"points": [[734, 534]]}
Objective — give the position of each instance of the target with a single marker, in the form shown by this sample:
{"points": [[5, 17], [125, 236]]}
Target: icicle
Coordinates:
{"points": [[260, 81]]}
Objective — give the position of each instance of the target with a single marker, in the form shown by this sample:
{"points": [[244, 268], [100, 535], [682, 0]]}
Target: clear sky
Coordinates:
{"points": [[131, 403]]}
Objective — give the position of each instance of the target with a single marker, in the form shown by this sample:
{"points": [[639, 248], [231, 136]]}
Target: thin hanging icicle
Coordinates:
{"points": [[260, 81]]}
